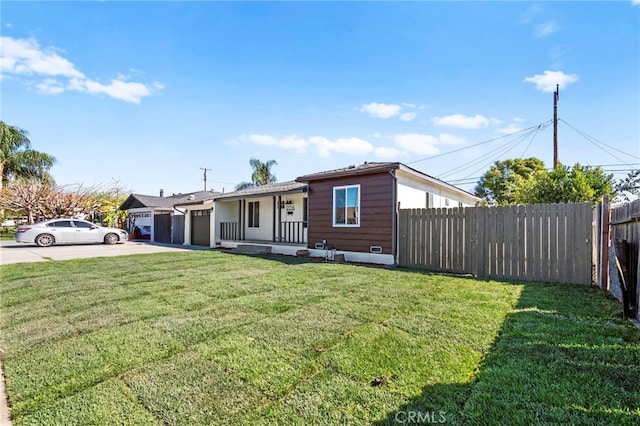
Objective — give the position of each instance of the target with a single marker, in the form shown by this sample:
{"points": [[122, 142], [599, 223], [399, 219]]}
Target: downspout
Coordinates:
{"points": [[394, 216]]}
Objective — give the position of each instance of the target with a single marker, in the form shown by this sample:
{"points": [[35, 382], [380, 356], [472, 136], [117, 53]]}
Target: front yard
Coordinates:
{"points": [[214, 338]]}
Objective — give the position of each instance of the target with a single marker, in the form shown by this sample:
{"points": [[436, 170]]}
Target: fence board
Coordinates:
{"points": [[550, 243]]}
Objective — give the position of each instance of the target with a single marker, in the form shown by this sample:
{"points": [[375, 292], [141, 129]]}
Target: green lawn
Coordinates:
{"points": [[213, 338]]}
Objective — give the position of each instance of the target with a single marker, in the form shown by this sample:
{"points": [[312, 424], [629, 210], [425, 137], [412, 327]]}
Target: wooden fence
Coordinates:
{"points": [[540, 242], [625, 225]]}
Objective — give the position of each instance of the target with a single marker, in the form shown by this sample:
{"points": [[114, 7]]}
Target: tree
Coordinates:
{"points": [[629, 186], [25, 197], [566, 185], [261, 175], [499, 184], [37, 200], [18, 160]]}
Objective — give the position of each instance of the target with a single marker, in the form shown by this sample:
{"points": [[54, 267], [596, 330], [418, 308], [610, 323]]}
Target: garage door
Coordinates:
{"points": [[162, 228], [200, 227]]}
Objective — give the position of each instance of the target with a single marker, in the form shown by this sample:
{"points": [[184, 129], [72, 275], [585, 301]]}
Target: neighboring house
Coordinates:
{"points": [[273, 213], [354, 210], [154, 217]]}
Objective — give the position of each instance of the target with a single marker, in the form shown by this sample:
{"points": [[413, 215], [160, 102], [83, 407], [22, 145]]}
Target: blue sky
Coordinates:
{"points": [[144, 94]]}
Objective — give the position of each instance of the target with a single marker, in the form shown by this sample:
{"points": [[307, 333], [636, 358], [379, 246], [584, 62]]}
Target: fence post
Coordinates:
{"points": [[604, 243]]}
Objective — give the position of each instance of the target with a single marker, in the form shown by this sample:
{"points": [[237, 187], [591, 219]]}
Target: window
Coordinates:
{"points": [[85, 225], [346, 206], [254, 214], [61, 224]]}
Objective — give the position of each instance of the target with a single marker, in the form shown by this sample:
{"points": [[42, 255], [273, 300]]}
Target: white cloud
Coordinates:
{"points": [[518, 120], [387, 152], [465, 122], [447, 139], [417, 143], [546, 29], [635, 2], [408, 116], [381, 110], [349, 146], [531, 13], [9, 25], [27, 57], [50, 86], [288, 142], [324, 147], [547, 82], [20, 56]]}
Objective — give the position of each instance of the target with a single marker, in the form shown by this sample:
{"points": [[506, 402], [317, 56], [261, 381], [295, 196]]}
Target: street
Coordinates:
{"points": [[13, 252]]}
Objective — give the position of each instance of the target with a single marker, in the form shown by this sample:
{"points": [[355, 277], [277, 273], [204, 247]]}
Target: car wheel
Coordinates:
{"points": [[45, 240], [111, 239]]}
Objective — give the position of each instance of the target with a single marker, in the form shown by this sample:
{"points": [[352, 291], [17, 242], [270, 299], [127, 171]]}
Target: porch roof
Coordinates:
{"points": [[281, 188]]}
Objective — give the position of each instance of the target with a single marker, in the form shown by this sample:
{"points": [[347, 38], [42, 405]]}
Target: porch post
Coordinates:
{"points": [[273, 228]]}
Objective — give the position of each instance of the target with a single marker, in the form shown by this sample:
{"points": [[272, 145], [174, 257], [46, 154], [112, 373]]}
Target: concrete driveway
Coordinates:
{"points": [[12, 252]]}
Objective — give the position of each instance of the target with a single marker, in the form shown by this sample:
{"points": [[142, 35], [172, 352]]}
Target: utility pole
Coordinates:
{"points": [[556, 96], [205, 177]]}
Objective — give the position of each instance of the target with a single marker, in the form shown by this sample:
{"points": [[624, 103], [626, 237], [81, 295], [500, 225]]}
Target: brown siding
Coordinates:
{"points": [[376, 213]]}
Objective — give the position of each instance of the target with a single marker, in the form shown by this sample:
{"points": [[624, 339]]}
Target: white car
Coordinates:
{"points": [[68, 231]]}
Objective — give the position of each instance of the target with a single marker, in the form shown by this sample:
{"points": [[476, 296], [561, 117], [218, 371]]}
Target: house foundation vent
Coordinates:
{"points": [[375, 249], [319, 246]]}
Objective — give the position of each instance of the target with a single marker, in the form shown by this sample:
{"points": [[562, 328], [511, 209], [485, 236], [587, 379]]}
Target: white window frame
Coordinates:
{"points": [[346, 225]]}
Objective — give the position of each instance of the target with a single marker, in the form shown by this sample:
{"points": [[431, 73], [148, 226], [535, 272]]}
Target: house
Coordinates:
{"points": [[274, 213], [350, 211], [353, 210], [155, 218]]}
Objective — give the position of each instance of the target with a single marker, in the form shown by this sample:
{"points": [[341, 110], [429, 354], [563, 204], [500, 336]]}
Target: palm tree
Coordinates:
{"points": [[261, 174], [18, 160]]}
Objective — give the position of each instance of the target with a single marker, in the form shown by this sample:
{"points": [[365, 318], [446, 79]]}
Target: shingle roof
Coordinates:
{"points": [[152, 201], [360, 169], [272, 188], [375, 167]]}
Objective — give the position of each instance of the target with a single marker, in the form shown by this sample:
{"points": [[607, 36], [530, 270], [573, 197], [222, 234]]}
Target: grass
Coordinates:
{"points": [[215, 338]]}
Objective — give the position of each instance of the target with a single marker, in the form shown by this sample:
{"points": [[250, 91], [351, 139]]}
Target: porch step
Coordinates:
{"points": [[252, 249]]}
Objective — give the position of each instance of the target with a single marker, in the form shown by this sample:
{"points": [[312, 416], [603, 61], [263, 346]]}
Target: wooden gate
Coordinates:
{"points": [[539, 242]]}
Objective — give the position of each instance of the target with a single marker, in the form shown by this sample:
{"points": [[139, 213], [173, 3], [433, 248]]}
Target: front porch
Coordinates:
{"points": [[290, 232]]}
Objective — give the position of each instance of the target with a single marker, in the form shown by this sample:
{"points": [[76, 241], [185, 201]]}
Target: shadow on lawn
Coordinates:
{"points": [[563, 355]]}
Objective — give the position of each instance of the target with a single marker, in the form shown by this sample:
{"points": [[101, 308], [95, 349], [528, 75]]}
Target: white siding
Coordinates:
{"points": [[412, 193]]}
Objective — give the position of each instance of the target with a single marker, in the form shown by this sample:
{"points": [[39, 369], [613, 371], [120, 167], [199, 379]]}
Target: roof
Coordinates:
{"points": [[374, 168], [361, 169], [152, 201], [273, 188]]}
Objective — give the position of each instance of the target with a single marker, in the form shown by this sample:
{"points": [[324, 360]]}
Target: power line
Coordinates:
{"points": [[546, 123], [597, 143], [499, 152]]}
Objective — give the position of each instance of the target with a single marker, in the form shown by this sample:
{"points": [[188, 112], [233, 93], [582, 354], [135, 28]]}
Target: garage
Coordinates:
{"points": [[201, 227]]}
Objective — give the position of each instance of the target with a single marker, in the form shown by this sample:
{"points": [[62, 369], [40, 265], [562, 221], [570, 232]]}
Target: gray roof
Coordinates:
{"points": [[374, 167], [360, 169], [272, 188], [152, 201]]}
